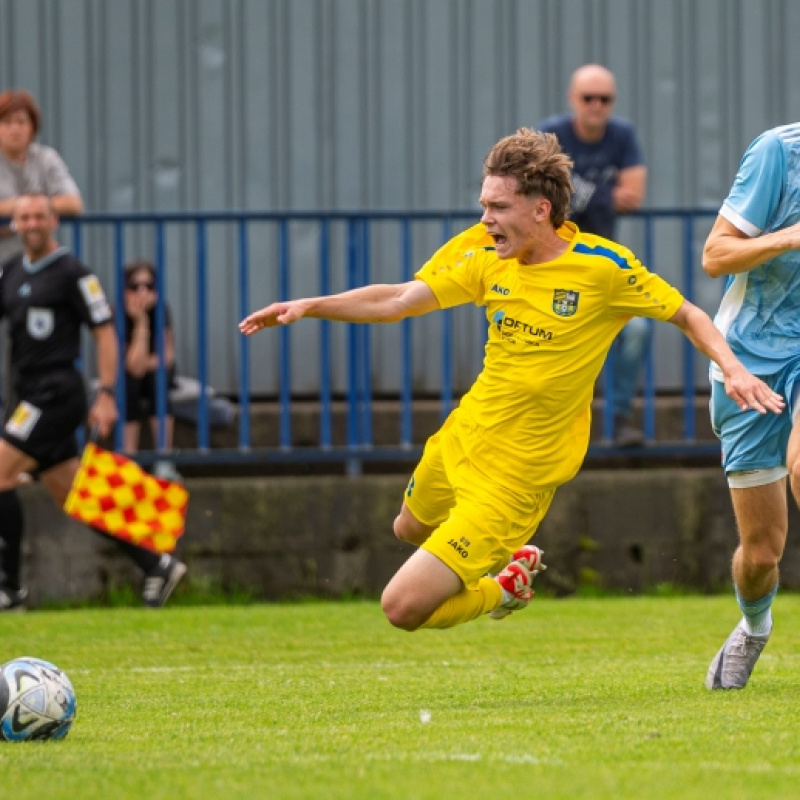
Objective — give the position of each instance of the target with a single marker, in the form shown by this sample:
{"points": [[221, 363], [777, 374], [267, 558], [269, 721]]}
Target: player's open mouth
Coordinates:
{"points": [[499, 239]]}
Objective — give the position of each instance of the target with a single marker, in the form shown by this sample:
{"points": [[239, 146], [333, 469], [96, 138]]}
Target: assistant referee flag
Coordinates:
{"points": [[116, 495]]}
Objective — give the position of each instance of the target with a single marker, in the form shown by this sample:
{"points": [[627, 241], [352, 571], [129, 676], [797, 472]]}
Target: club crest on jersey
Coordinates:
{"points": [[565, 302], [40, 322]]}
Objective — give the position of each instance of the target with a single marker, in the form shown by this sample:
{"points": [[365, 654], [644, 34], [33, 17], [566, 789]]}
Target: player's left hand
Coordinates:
{"points": [[103, 414], [749, 392]]}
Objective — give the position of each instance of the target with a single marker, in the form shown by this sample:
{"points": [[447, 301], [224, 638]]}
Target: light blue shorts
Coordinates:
{"points": [[751, 440]]}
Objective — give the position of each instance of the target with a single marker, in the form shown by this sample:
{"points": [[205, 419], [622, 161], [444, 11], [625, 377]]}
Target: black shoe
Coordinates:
{"points": [[159, 582], [13, 599], [625, 435]]}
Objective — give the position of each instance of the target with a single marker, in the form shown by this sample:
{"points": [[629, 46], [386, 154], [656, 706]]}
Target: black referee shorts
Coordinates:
{"points": [[50, 409]]}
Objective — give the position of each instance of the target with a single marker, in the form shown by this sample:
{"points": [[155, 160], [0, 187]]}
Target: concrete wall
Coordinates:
{"points": [[330, 536]]}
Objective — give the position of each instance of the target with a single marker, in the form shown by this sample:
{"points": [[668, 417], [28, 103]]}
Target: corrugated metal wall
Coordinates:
{"points": [[379, 104]]}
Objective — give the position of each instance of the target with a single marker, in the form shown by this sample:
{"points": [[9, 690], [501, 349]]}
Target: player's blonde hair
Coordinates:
{"points": [[541, 167]]}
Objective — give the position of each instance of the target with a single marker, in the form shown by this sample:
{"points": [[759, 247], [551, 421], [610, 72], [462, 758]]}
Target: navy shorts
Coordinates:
{"points": [[50, 409]]}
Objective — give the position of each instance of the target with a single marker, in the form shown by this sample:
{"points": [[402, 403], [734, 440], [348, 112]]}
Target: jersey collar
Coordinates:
{"points": [[39, 265]]}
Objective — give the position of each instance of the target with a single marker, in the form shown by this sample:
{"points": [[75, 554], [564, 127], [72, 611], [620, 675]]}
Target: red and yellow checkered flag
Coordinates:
{"points": [[115, 494]]}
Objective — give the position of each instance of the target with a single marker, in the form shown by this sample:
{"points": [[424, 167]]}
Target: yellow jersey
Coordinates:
{"points": [[525, 421]]}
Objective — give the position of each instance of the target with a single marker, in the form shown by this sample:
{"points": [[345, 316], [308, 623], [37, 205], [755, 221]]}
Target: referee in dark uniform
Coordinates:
{"points": [[46, 295]]}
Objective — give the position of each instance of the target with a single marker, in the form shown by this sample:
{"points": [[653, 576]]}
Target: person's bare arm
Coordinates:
{"points": [[375, 303], [628, 194], [729, 251], [103, 413], [744, 389], [67, 205]]}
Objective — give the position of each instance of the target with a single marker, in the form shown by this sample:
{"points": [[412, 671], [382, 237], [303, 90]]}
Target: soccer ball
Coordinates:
{"points": [[37, 701]]}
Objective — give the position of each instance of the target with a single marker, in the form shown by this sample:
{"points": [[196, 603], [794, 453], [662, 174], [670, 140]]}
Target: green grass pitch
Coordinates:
{"points": [[578, 698]]}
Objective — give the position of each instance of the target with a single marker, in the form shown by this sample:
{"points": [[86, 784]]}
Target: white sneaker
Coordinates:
{"points": [[735, 660]]}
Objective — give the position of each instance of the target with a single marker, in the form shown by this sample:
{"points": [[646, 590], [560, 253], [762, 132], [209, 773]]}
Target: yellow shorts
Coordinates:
{"points": [[478, 522]]}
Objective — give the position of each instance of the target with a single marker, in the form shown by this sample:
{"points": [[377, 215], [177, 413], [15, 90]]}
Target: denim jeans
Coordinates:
{"points": [[630, 351]]}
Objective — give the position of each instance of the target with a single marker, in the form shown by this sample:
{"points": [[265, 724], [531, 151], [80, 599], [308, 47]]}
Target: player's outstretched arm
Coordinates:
{"points": [[744, 389], [380, 302], [729, 251]]}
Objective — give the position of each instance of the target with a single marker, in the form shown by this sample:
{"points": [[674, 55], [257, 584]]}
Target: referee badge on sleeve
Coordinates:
{"points": [[23, 420], [95, 299]]}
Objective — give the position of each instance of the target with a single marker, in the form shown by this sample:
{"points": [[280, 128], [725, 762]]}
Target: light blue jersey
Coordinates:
{"points": [[760, 312]]}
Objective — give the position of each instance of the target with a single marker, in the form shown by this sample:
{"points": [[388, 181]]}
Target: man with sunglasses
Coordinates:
{"points": [[609, 178]]}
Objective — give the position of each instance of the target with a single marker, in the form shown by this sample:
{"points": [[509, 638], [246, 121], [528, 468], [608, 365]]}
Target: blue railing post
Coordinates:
{"points": [[447, 340], [284, 289], [406, 353], [365, 343], [119, 323], [244, 341], [688, 349], [325, 388], [161, 371], [649, 372], [203, 435]]}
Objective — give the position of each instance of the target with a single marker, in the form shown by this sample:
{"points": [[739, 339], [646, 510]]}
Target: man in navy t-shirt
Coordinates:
{"points": [[610, 178]]}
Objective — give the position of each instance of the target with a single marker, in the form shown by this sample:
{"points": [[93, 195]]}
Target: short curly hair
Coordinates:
{"points": [[14, 100], [540, 166]]}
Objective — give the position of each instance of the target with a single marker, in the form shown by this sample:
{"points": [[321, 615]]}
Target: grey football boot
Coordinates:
{"points": [[733, 664]]}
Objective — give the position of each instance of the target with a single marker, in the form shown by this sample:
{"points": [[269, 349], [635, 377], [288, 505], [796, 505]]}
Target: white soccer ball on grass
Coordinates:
{"points": [[37, 701]]}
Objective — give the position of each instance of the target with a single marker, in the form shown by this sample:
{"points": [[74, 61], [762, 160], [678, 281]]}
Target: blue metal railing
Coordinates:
{"points": [[359, 394]]}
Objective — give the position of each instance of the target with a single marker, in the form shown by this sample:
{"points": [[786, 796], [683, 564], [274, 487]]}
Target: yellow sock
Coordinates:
{"points": [[466, 605]]}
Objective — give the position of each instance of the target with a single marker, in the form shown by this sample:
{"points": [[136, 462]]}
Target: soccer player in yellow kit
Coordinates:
{"points": [[555, 300]]}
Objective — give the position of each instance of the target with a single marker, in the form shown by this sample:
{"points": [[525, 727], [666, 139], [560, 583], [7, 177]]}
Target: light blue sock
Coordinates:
{"points": [[757, 613]]}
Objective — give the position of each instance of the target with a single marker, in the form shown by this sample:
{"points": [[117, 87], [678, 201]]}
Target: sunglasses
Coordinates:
{"points": [[605, 99], [149, 285]]}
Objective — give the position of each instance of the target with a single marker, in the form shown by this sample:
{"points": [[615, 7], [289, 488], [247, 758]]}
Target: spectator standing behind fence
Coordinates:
{"points": [[47, 296], [609, 178], [555, 299], [142, 359], [755, 243], [27, 166]]}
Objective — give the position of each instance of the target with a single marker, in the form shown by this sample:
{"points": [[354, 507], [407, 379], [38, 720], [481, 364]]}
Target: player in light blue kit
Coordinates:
{"points": [[756, 242]]}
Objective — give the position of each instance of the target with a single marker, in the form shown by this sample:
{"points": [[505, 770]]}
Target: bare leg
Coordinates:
{"points": [[169, 429], [762, 517], [131, 436], [418, 588]]}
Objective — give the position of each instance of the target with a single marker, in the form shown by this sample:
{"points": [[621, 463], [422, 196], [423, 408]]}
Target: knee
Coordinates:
{"points": [[399, 611], [794, 474], [762, 557]]}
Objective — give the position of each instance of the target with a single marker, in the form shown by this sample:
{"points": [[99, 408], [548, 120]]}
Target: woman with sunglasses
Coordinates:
{"points": [[142, 358]]}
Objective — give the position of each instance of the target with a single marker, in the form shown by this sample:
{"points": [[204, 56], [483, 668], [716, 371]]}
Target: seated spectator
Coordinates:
{"points": [[141, 355]]}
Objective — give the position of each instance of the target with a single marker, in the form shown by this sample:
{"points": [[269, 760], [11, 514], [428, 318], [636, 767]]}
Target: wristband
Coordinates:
{"points": [[107, 390]]}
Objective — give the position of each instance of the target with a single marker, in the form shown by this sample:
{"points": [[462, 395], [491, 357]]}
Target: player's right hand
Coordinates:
{"points": [[283, 313]]}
